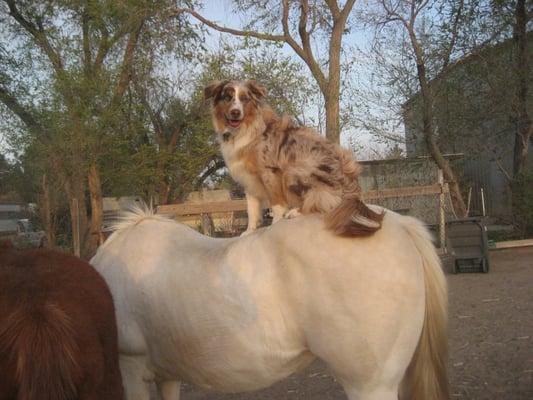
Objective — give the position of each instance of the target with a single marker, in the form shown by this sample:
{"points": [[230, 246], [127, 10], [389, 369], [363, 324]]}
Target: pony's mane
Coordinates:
{"points": [[133, 216], [136, 214]]}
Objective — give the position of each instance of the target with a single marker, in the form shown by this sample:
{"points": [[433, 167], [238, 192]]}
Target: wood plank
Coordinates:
{"points": [[240, 205], [402, 192], [203, 208], [509, 244]]}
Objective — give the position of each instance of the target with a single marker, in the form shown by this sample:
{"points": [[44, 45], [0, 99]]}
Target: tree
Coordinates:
{"points": [[86, 50], [179, 152], [430, 41], [300, 25], [509, 22], [180, 139], [6, 184], [522, 63]]}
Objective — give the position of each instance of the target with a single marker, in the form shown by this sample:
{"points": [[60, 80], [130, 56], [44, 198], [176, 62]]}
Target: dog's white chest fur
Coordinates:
{"points": [[237, 166]]}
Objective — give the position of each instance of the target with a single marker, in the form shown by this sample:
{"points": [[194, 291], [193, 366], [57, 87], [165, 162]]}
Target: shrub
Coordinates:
{"points": [[522, 187]]}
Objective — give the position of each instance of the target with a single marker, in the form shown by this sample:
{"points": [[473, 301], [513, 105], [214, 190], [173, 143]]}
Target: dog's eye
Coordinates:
{"points": [[227, 97], [245, 98]]}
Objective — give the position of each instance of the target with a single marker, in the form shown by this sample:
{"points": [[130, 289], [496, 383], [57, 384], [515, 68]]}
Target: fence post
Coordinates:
{"points": [[207, 224], [442, 215]]}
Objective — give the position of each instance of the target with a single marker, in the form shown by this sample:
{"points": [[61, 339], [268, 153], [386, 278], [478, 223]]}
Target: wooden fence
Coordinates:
{"points": [[227, 206], [183, 209]]}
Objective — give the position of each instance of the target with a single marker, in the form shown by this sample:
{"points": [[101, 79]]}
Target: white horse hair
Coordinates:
{"points": [[239, 314]]}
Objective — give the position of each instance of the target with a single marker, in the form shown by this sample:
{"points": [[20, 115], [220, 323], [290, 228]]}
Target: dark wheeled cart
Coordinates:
{"points": [[467, 239]]}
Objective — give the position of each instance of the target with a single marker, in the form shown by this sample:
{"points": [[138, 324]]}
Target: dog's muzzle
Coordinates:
{"points": [[234, 118], [234, 122]]}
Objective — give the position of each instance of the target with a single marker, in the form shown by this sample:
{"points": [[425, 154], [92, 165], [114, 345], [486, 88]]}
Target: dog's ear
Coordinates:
{"points": [[214, 89], [256, 89]]}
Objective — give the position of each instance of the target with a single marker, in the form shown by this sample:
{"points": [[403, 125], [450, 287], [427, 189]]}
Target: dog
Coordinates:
{"points": [[289, 166]]}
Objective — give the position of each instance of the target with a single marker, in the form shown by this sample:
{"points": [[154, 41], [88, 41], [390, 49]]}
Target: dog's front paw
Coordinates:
{"points": [[295, 212]]}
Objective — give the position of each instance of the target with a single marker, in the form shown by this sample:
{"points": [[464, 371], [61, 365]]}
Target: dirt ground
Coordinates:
{"points": [[491, 340]]}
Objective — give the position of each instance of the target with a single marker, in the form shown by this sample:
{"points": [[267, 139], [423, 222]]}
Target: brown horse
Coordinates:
{"points": [[58, 336]]}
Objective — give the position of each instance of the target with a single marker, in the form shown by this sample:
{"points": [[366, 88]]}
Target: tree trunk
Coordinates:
{"points": [[333, 91], [163, 193], [46, 215], [435, 153], [163, 187], [332, 116], [449, 176], [432, 147], [75, 189], [95, 237], [524, 125]]}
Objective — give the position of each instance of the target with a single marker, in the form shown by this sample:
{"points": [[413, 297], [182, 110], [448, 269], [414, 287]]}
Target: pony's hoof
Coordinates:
{"points": [[295, 212]]}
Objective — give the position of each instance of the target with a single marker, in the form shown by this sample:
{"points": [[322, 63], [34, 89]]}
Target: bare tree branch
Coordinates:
{"points": [[11, 102], [454, 34], [38, 34], [220, 28], [127, 63], [329, 83], [305, 52], [210, 171], [420, 7], [334, 8], [347, 9], [87, 55], [106, 44]]}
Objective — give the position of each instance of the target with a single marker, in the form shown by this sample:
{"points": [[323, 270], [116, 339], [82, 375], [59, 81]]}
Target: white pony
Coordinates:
{"points": [[235, 315]]}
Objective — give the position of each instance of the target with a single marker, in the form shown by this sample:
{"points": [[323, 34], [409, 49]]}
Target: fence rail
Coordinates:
{"points": [[183, 209]]}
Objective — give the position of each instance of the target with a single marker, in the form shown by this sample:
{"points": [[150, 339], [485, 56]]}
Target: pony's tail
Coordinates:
{"points": [[352, 217], [41, 346], [426, 377]]}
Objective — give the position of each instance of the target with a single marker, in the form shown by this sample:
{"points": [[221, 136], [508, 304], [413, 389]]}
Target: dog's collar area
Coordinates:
{"points": [[226, 136]]}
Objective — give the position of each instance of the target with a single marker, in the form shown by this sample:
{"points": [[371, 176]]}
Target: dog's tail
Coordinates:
{"points": [[41, 345], [352, 217]]}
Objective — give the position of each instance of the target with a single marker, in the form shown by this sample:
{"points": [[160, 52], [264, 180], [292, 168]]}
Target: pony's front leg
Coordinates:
{"points": [[254, 209], [169, 390], [136, 377]]}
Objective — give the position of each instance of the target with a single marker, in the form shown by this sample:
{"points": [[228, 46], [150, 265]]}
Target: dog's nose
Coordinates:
{"points": [[235, 113]]}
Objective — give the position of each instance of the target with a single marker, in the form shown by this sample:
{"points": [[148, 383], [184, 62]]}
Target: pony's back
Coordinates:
{"points": [[57, 329]]}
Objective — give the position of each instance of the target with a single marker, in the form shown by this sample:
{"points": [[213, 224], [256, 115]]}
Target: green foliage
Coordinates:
{"points": [[501, 235], [289, 88], [522, 188], [194, 160], [152, 135], [8, 180]]}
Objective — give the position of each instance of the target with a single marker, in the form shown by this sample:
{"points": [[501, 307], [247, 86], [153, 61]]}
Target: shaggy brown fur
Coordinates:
{"points": [[286, 164], [58, 338]]}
